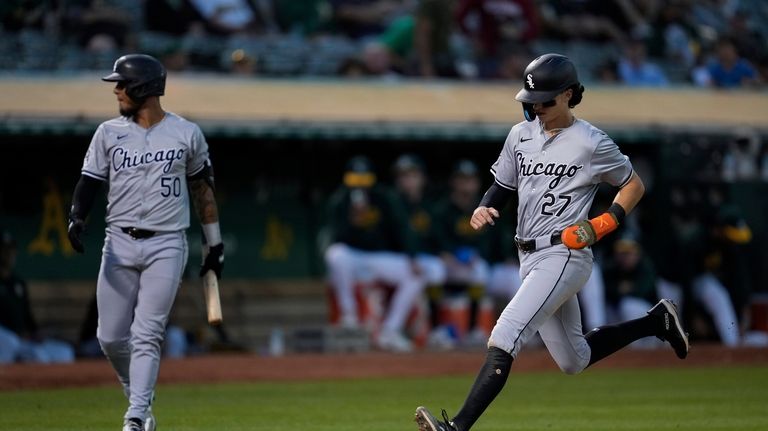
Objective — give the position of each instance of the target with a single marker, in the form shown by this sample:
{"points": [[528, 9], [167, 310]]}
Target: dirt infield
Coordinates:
{"points": [[242, 368]]}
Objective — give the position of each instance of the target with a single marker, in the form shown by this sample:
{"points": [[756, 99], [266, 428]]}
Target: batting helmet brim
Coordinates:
{"points": [[527, 96], [114, 77]]}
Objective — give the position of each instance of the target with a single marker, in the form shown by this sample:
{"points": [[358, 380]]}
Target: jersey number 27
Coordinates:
{"points": [[549, 202]]}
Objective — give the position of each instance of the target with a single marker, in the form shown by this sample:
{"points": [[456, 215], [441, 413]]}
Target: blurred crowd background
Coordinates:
{"points": [[300, 201], [708, 43]]}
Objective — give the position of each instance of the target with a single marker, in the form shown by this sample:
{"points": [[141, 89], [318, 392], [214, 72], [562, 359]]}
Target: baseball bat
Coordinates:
{"points": [[212, 299], [211, 293]]}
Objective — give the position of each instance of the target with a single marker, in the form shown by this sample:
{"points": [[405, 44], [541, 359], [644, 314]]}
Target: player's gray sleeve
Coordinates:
{"points": [[96, 161], [609, 165], [505, 167], [198, 156]]}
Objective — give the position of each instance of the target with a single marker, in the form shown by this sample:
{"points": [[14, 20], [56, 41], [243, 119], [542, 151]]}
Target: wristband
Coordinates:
{"points": [[212, 233], [618, 212]]}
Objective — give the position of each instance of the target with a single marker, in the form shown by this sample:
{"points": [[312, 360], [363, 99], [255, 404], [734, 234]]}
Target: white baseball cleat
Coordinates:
{"points": [[149, 422], [441, 339], [394, 341]]}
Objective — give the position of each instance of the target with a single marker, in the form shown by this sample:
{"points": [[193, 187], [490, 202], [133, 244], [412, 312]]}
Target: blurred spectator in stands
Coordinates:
{"points": [[228, 17], [673, 38], [497, 28], [728, 69], [579, 19], [303, 17], [353, 67], [513, 63], [635, 70], [465, 251], [711, 16], [174, 57], [741, 159], [432, 39], [174, 17], [20, 339], [411, 182], [607, 72], [103, 28], [746, 39], [361, 19], [242, 63], [388, 53], [370, 240], [16, 15]]}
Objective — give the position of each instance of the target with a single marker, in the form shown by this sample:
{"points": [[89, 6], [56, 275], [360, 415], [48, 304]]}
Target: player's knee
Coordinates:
{"points": [[114, 347], [572, 367], [150, 333], [336, 254]]}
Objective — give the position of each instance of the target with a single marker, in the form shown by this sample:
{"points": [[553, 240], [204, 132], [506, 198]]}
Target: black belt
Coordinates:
{"points": [[529, 246], [138, 233]]}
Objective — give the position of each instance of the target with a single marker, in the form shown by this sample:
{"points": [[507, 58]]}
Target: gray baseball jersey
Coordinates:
{"points": [[557, 178], [147, 170]]}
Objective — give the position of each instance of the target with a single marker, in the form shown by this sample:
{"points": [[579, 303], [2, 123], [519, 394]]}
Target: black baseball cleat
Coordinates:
{"points": [[673, 330], [427, 422]]}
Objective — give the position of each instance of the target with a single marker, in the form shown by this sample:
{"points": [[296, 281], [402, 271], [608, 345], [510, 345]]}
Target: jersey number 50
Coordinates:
{"points": [[549, 201], [170, 186]]}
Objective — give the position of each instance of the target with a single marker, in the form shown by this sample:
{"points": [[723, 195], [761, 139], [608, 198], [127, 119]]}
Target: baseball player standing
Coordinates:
{"points": [[555, 165], [148, 157]]}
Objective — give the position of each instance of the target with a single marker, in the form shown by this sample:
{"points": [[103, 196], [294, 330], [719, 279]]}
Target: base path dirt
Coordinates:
{"points": [[250, 368]]}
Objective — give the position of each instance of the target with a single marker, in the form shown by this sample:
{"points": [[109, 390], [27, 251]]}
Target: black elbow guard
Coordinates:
{"points": [[84, 196], [496, 197], [206, 174]]}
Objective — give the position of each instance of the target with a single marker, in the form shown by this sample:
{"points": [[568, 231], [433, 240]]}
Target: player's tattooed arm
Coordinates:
{"points": [[204, 201]]}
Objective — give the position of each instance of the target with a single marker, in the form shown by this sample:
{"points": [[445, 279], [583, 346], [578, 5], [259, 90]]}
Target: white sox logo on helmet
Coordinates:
{"points": [[529, 78]]}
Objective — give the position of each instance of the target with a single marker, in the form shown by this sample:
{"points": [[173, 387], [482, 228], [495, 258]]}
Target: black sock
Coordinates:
{"points": [[475, 293], [435, 295], [607, 339], [434, 313], [488, 384], [473, 311]]}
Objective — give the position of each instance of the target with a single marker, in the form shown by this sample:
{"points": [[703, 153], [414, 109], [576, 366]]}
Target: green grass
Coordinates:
{"points": [[649, 399]]}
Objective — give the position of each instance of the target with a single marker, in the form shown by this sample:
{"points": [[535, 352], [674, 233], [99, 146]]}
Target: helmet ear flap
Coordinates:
{"points": [[140, 92], [530, 115]]}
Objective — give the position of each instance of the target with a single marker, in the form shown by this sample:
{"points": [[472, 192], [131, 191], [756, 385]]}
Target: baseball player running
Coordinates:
{"points": [[555, 165], [148, 157]]}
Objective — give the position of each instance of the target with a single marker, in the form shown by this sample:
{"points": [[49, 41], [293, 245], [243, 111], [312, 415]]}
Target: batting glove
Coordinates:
{"points": [[214, 261], [74, 232]]}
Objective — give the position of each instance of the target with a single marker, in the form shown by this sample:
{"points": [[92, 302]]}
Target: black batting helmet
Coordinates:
{"points": [[142, 74], [546, 77]]}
